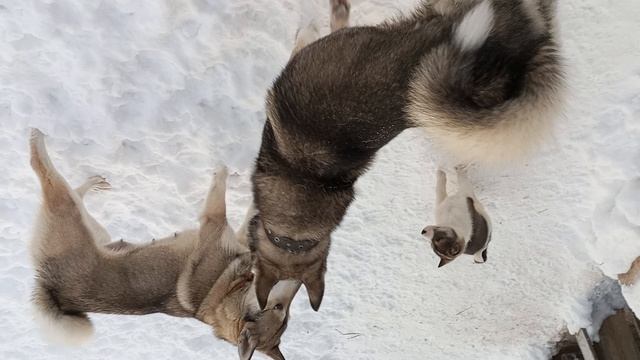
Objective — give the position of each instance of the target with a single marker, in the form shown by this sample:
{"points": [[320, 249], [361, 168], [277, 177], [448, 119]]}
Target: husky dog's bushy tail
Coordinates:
{"points": [[489, 92]]}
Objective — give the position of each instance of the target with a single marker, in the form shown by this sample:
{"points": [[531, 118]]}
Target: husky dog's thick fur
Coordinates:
{"points": [[203, 273], [482, 77], [462, 224]]}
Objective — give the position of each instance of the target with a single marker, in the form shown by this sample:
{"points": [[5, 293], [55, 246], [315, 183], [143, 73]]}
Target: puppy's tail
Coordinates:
{"points": [[489, 93], [59, 326]]}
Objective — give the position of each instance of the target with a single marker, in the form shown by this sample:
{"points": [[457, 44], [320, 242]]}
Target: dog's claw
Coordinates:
{"points": [[99, 183]]}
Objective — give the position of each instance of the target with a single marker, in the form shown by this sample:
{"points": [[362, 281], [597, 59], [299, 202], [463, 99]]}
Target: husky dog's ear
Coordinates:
{"points": [[275, 353], [246, 345], [265, 281], [444, 262], [315, 289]]}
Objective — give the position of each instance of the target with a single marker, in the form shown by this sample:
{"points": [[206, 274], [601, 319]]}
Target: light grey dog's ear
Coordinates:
{"points": [[315, 289], [443, 262], [275, 353], [246, 345]]}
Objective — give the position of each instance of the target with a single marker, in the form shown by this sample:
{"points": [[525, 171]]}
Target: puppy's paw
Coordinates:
{"points": [[480, 257], [340, 8], [307, 34], [339, 14]]}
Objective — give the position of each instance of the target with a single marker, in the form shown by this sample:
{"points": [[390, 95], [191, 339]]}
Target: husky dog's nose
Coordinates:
{"points": [[424, 231]]}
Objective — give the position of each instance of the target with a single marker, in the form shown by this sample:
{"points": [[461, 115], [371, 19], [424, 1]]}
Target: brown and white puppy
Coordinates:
{"points": [[463, 225], [204, 273], [483, 78]]}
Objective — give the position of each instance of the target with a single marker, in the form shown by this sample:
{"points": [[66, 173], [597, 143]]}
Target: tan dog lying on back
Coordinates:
{"points": [[463, 225], [204, 273]]}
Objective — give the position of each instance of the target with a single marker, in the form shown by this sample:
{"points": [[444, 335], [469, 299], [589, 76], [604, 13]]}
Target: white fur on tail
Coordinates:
{"points": [[475, 27], [57, 326]]}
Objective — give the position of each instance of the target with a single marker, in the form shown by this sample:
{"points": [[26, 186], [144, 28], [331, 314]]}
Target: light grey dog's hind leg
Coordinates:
{"points": [[54, 187], [96, 183], [213, 244], [214, 205]]}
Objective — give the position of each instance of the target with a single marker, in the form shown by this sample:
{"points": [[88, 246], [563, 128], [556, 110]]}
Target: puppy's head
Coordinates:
{"points": [[445, 242], [262, 329]]}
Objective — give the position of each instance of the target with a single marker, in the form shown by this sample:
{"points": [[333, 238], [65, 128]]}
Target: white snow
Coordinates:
{"points": [[152, 94]]}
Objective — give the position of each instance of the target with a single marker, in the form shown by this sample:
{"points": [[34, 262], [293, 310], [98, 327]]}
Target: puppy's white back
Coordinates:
{"points": [[453, 212]]}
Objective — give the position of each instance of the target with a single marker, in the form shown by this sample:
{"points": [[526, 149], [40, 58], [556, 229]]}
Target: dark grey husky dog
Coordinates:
{"points": [[203, 274], [482, 77]]}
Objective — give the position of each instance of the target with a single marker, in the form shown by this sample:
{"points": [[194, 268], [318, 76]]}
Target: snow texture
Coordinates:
{"points": [[153, 94]]}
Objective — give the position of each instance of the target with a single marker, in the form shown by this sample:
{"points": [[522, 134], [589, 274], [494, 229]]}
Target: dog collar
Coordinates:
{"points": [[289, 245]]}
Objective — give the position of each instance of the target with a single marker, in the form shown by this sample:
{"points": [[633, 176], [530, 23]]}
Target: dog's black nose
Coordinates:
{"points": [[424, 231]]}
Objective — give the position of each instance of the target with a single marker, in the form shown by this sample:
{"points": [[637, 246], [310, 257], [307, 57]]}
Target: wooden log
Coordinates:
{"points": [[617, 340], [586, 347]]}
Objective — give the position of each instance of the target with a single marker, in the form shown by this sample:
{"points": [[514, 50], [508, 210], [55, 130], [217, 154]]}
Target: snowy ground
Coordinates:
{"points": [[153, 93]]}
